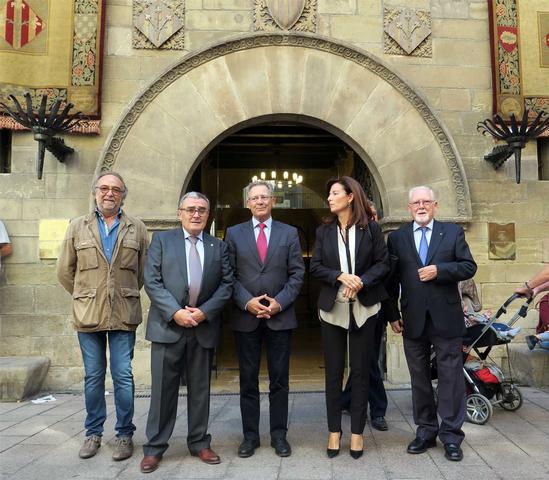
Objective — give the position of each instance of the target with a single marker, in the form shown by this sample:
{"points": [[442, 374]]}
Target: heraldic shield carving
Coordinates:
{"points": [[285, 12]]}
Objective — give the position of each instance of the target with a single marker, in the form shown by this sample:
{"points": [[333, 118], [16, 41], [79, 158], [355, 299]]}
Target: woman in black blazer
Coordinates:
{"points": [[350, 259]]}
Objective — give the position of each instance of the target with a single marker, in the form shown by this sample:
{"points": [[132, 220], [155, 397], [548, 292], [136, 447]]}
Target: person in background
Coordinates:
{"points": [[5, 249]]}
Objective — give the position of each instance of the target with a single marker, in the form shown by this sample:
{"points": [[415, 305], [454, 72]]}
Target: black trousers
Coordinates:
{"points": [[451, 385], [248, 345], [168, 361], [377, 396], [361, 350]]}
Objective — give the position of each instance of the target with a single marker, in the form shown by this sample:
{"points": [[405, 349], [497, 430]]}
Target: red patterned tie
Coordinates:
{"points": [[262, 243]]}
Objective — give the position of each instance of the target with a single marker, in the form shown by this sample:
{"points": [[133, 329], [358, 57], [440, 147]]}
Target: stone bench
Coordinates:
{"points": [[21, 377], [530, 367]]}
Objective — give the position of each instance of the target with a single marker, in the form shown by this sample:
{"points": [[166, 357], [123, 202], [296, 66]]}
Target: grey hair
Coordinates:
{"points": [[259, 183], [114, 174], [198, 195], [421, 187]]}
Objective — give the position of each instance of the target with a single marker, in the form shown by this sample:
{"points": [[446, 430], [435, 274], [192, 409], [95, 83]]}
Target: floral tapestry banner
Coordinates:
{"points": [[520, 56], [53, 47]]}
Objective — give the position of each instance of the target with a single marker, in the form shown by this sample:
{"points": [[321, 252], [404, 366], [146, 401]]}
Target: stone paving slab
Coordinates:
{"points": [[42, 442]]}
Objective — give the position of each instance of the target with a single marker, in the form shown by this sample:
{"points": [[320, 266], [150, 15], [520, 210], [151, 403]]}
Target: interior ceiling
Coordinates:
{"points": [[277, 146]]}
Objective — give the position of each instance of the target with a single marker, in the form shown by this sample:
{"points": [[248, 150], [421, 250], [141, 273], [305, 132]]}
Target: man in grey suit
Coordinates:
{"points": [[189, 279], [268, 266]]}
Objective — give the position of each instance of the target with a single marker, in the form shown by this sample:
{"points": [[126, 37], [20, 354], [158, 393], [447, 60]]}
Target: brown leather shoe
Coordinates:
{"points": [[149, 463], [207, 455]]}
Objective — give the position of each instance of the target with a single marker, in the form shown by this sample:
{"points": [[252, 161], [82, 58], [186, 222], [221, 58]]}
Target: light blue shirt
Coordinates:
{"points": [[199, 247], [428, 233], [268, 224], [108, 234]]}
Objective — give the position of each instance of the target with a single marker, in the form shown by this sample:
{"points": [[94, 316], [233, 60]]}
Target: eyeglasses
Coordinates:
{"points": [[256, 198], [104, 189], [425, 203], [192, 210]]}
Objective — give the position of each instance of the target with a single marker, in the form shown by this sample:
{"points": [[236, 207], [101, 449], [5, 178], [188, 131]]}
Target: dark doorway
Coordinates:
{"points": [[298, 160]]}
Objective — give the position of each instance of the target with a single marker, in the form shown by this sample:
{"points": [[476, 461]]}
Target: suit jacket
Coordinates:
{"points": [[371, 264], [440, 297], [280, 277], [167, 285]]}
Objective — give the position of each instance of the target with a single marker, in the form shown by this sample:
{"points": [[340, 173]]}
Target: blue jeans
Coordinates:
{"points": [[544, 340], [94, 348]]}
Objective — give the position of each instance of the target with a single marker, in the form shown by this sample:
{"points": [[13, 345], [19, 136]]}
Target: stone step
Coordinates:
{"points": [[21, 377]]}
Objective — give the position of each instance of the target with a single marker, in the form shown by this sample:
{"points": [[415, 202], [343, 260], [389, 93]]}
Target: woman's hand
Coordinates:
{"points": [[351, 281], [349, 293]]}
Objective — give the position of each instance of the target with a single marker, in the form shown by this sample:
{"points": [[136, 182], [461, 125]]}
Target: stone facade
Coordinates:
{"points": [[432, 104]]}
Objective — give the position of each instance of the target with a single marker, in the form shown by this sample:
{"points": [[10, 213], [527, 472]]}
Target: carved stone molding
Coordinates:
{"points": [[194, 60], [285, 15], [158, 24], [407, 32]]}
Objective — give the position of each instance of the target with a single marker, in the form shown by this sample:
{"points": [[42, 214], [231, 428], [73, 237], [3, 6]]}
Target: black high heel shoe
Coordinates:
{"points": [[334, 452], [356, 454]]}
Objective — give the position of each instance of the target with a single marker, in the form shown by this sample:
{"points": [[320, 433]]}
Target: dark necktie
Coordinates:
{"points": [[423, 246], [195, 271], [262, 243]]}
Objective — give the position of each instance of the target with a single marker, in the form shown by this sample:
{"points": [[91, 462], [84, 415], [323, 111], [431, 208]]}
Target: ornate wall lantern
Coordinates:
{"points": [[515, 135], [45, 125]]}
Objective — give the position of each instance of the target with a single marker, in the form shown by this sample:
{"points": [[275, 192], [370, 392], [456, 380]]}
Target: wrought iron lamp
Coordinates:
{"points": [[515, 135], [45, 125]]}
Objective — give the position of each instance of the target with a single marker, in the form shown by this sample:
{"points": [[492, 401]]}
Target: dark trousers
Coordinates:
{"points": [[377, 397], [361, 347], [451, 385], [168, 362], [248, 345]]}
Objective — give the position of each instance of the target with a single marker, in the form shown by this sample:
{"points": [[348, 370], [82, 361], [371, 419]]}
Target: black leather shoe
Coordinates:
{"points": [[420, 445], [453, 452], [247, 448], [379, 423], [281, 446]]}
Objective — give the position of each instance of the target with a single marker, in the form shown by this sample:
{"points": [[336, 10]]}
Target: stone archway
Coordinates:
{"points": [[177, 119]]}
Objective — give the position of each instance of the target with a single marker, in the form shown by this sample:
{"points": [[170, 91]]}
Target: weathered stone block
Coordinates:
{"points": [[17, 299], [340, 7], [530, 367], [460, 29], [35, 325], [450, 8], [357, 28], [22, 185], [21, 377], [226, 4], [52, 299], [119, 16], [219, 20], [447, 51]]}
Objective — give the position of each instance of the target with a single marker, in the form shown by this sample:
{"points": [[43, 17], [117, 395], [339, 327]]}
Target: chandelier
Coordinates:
{"points": [[280, 181]]}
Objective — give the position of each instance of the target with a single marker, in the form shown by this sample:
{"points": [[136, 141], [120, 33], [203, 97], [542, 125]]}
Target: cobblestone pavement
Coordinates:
{"points": [[41, 442]]}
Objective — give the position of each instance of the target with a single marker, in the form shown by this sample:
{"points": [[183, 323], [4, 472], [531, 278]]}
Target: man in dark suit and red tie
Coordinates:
{"points": [[189, 279], [269, 269], [431, 258]]}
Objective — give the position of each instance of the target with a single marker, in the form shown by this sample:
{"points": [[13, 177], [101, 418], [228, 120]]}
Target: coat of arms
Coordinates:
{"points": [[276, 15], [285, 13], [157, 21], [19, 24]]}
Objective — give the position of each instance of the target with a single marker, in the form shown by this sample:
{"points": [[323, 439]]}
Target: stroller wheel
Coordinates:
{"points": [[479, 409], [512, 398]]}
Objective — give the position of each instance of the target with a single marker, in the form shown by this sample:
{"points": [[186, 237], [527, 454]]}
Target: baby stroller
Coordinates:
{"points": [[485, 384]]}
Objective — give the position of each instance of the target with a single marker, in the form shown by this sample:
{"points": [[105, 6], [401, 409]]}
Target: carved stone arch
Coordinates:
{"points": [[181, 115]]}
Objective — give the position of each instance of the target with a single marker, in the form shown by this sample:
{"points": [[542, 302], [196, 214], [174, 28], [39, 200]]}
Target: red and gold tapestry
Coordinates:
{"points": [[53, 47], [520, 56]]}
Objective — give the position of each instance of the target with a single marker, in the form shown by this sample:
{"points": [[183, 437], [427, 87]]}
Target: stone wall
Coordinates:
{"points": [[455, 82]]}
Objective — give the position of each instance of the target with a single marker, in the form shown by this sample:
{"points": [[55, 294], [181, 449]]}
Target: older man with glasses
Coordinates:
{"points": [[432, 257], [189, 279], [101, 265]]}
